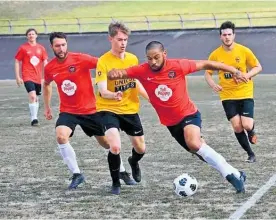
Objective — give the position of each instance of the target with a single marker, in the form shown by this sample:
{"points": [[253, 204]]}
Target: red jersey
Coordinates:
{"points": [[32, 58], [74, 82], [167, 89]]}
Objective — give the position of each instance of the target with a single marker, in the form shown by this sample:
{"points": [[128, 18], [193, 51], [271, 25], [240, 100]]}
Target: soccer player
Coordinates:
{"points": [[32, 57], [118, 103], [165, 83], [71, 72], [237, 97]]}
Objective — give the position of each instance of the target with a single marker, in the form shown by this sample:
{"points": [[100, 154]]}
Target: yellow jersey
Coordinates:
{"points": [[241, 58], [130, 101]]}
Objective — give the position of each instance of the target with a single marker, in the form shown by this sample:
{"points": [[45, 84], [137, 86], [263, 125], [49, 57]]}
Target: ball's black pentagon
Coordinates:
{"points": [[183, 182], [182, 193]]}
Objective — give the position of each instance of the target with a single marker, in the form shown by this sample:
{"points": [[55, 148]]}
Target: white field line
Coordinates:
{"points": [[254, 198]]}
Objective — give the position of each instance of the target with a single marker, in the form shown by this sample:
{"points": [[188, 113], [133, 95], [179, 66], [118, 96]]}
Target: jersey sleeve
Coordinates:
{"points": [[251, 59], [187, 66], [44, 54], [88, 61], [212, 57], [48, 77], [19, 54], [101, 71], [135, 71]]}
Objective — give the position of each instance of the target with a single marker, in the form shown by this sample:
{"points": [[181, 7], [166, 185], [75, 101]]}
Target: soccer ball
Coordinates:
{"points": [[185, 185]]}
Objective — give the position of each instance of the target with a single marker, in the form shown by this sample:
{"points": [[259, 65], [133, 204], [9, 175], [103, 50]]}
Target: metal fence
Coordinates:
{"points": [[149, 22]]}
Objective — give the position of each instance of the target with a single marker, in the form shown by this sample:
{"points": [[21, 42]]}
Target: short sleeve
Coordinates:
{"points": [[88, 61], [101, 71], [44, 54], [19, 54], [251, 59], [212, 57], [187, 66]]}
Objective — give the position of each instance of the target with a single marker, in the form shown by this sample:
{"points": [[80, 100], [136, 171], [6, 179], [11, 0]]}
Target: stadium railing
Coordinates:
{"points": [[143, 23]]}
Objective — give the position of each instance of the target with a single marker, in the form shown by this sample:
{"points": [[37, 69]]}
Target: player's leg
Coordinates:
{"points": [[232, 109], [132, 125], [190, 139], [38, 93], [247, 117], [30, 87], [65, 127]]}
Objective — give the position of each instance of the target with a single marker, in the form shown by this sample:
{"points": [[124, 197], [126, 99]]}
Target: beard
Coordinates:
{"points": [[58, 55], [156, 69]]}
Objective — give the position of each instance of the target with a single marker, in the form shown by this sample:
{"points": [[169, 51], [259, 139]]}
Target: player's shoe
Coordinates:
{"points": [[252, 137], [34, 122], [125, 176], [77, 179], [238, 183], [136, 172], [116, 188], [251, 159]]}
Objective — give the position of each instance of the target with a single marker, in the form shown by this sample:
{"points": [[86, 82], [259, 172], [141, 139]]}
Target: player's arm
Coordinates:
{"points": [[209, 77], [142, 90], [105, 93], [47, 95], [131, 72], [213, 65], [18, 78], [253, 64]]}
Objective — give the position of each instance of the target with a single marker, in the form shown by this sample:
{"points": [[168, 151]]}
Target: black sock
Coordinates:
{"points": [[243, 140], [252, 130], [114, 162], [135, 156]]}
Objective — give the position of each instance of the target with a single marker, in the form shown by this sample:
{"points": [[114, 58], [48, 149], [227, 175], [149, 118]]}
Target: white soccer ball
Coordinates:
{"points": [[185, 185]]}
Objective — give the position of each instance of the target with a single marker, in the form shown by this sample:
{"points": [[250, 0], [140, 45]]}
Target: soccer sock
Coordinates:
{"points": [[37, 107], [114, 166], [243, 140], [69, 157], [217, 161], [135, 156], [122, 167], [33, 110], [252, 130]]}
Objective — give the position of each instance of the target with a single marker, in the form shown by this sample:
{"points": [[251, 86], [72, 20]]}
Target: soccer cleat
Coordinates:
{"points": [[125, 176], [252, 137], [116, 188], [34, 122], [77, 179], [238, 183], [136, 172], [251, 159]]}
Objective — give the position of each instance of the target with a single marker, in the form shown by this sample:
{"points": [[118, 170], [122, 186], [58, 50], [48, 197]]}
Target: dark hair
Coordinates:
{"points": [[154, 45], [54, 35], [116, 26], [227, 25], [29, 30]]}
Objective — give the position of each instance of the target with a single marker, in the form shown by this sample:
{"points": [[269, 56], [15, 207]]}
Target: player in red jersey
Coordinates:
{"points": [[71, 72], [164, 80], [33, 57]]}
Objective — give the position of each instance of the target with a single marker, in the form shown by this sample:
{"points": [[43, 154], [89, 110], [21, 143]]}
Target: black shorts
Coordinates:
{"points": [[129, 123], [177, 130], [31, 86], [243, 107], [90, 124]]}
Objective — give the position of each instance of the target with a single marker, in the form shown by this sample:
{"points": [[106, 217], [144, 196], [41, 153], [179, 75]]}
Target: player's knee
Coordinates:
{"points": [[62, 139], [247, 126], [32, 98], [139, 145], [193, 144], [237, 128], [115, 149]]}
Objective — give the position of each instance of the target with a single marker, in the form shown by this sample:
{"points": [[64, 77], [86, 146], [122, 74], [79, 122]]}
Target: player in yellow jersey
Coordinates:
{"points": [[118, 103], [237, 97]]}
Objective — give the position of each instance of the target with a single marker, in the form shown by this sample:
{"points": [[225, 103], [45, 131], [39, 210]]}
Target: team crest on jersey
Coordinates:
{"points": [[171, 74], [237, 59], [72, 69], [69, 87], [99, 73], [163, 92]]}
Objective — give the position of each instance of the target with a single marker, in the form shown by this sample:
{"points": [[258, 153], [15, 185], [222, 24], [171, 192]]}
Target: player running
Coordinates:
{"points": [[165, 82]]}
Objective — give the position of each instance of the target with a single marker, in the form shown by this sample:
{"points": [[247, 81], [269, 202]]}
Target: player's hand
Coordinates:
{"points": [[118, 96], [19, 81], [114, 74], [48, 113], [240, 77], [216, 87]]}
